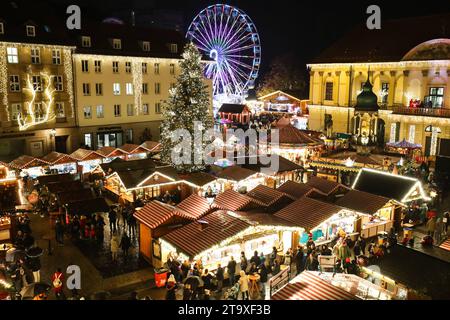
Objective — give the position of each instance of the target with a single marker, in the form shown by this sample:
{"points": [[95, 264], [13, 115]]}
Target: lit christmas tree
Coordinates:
{"points": [[188, 102]]}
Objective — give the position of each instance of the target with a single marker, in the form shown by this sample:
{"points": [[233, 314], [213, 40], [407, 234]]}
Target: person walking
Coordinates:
{"points": [[431, 226], [115, 245], [185, 267], [344, 252], [125, 244], [99, 226], [263, 277], [231, 270], [58, 284], [243, 262], [243, 285], [171, 288], [131, 221], [219, 277], [273, 256], [112, 216], [299, 259], [311, 263], [59, 232]]}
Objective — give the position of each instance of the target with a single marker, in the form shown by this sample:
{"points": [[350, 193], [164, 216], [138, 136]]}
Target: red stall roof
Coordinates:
{"points": [[86, 155], [58, 158], [232, 200], [25, 162]]}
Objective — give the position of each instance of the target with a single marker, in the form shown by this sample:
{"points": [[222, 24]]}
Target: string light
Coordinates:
{"points": [[68, 72], [4, 80], [137, 83]]}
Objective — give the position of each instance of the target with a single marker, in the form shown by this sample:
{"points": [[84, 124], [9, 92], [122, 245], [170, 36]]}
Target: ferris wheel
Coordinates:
{"points": [[228, 36]]}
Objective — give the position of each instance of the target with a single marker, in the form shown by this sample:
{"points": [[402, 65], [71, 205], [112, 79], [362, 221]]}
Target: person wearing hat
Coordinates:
{"points": [[171, 287]]}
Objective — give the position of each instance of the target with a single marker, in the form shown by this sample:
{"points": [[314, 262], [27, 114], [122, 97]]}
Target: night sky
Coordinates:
{"points": [[304, 28]]}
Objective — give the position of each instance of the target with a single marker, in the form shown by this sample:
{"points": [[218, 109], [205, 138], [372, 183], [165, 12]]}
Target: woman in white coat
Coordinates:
{"points": [[243, 285]]}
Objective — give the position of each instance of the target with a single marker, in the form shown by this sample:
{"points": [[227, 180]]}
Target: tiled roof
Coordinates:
{"points": [[194, 205], [193, 239], [296, 190], [232, 200], [288, 134], [232, 108], [308, 213], [324, 185], [362, 201]]}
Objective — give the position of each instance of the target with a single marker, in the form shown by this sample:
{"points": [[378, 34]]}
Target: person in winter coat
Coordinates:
{"points": [[273, 255], [219, 277], [171, 288], [185, 267], [344, 251], [256, 259], [112, 216], [276, 268], [125, 244], [115, 245], [59, 232], [244, 262], [446, 221], [231, 270], [34, 264], [243, 285], [311, 263], [299, 258], [431, 226], [263, 277]]}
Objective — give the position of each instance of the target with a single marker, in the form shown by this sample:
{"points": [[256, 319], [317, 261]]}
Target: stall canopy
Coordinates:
{"points": [[119, 164], [324, 185], [308, 213], [233, 201], [404, 145], [88, 206], [86, 155], [288, 134], [25, 162], [156, 213], [55, 178], [363, 202], [269, 197], [67, 197], [151, 146], [199, 179], [284, 165], [55, 187], [140, 178], [211, 230], [194, 205], [297, 190], [400, 188], [55, 158], [235, 173], [309, 286]]}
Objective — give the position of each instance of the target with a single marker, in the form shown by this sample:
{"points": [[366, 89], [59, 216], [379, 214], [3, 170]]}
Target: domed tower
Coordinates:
{"points": [[365, 120]]}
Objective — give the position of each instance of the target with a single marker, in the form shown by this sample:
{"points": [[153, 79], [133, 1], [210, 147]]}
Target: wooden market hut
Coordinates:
{"points": [[60, 162], [134, 151], [152, 147], [33, 166], [235, 113], [110, 153], [327, 187], [297, 190], [269, 199], [283, 103], [87, 159]]}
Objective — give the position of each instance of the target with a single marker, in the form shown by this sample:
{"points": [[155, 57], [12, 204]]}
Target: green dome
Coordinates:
{"points": [[367, 100]]}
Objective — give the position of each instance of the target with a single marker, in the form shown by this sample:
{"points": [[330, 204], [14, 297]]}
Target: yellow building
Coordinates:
{"points": [[36, 89], [122, 78], [412, 83]]}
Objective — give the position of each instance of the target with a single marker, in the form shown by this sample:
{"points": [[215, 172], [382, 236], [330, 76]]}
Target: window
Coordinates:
{"points": [[88, 140], [13, 55], [99, 89], [145, 46], [145, 88], [99, 111], [435, 98], [156, 67], [2, 28], [329, 91], [87, 112], [16, 109], [157, 88], [145, 109], [117, 44], [157, 108], [115, 66], [129, 135], [97, 66], [117, 110], [173, 48], [384, 92], [31, 31], [35, 56], [37, 83], [14, 83], [58, 83], [172, 69], [412, 133], [56, 56], [84, 65], [128, 67], [130, 110], [129, 89], [86, 41], [86, 89], [38, 111], [59, 110], [144, 67], [116, 89]]}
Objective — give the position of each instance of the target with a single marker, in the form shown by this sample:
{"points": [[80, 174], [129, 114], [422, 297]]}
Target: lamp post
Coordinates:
{"points": [[53, 136]]}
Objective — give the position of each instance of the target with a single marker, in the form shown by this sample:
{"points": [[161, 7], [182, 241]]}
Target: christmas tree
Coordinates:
{"points": [[188, 103]]}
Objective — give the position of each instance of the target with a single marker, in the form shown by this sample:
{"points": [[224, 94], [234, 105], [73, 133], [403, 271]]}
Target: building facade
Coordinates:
{"points": [[412, 84]]}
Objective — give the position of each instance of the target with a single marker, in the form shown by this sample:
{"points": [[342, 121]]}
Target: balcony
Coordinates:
{"points": [[427, 112]]}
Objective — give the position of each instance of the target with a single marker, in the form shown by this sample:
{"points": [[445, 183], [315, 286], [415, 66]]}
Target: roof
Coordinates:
{"points": [[324, 185], [232, 108], [67, 197], [88, 206], [151, 146], [199, 178], [194, 205], [235, 173], [389, 44], [156, 213], [278, 93], [108, 152], [283, 164], [266, 196], [263, 218], [132, 148], [296, 190], [24, 162], [308, 213], [362, 201], [404, 144], [52, 178], [289, 134], [119, 164], [232, 200], [384, 184], [85, 155], [58, 158], [135, 177], [309, 286], [192, 240], [56, 187]]}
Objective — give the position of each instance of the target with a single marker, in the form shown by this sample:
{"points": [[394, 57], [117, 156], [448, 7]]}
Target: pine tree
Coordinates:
{"points": [[188, 101]]}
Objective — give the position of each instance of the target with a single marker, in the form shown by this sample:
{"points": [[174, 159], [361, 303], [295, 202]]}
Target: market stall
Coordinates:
{"points": [[60, 163], [111, 153], [412, 150], [87, 159], [5, 229], [134, 151], [10, 195], [31, 166]]}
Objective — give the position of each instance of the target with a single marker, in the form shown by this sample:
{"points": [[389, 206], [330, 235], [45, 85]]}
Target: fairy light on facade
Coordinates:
{"points": [[4, 80], [137, 83], [68, 71]]}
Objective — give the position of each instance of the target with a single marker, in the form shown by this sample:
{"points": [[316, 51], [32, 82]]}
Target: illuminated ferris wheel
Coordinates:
{"points": [[228, 36]]}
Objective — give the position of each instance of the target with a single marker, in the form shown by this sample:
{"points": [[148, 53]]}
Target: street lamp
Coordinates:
{"points": [[53, 135]]}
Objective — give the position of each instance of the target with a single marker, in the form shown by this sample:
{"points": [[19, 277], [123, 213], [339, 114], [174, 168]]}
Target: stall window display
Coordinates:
{"points": [[264, 245]]}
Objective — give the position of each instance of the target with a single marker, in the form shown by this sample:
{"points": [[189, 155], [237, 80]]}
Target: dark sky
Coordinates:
{"points": [[302, 27]]}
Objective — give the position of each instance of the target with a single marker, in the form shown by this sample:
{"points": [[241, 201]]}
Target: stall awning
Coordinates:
{"points": [[297, 190], [25, 162], [56, 178], [324, 185], [309, 286], [133, 148], [232, 200], [156, 213], [194, 205], [267, 196], [199, 179], [67, 197], [236, 173], [55, 187]]}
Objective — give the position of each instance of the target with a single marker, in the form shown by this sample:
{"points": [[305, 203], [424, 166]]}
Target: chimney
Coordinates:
{"points": [[202, 225]]}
